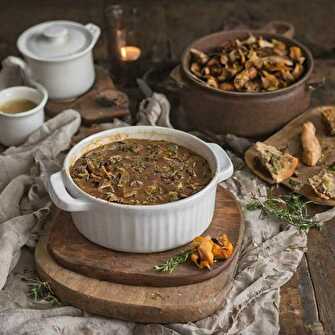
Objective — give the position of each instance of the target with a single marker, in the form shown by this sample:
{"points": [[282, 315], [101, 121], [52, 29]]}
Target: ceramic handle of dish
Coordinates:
{"points": [[225, 166], [313, 85], [62, 199], [94, 30]]}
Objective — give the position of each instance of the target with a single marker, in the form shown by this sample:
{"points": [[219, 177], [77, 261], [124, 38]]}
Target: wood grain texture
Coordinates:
{"points": [[321, 262], [74, 252], [134, 303], [288, 138], [298, 306], [138, 303], [310, 311], [291, 308], [90, 111]]}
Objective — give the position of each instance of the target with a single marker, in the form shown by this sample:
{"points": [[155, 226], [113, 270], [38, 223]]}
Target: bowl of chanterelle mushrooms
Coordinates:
{"points": [[246, 83]]}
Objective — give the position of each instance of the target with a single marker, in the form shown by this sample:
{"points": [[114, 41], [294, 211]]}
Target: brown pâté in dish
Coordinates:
{"points": [[141, 172]]}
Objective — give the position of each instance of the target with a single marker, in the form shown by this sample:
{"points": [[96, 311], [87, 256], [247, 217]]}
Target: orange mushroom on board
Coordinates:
{"points": [[207, 250]]}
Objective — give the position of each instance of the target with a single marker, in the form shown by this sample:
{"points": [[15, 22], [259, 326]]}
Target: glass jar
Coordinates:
{"points": [[124, 47]]}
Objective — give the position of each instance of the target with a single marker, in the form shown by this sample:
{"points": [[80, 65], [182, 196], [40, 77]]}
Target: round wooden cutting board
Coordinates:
{"points": [[74, 252], [151, 297]]}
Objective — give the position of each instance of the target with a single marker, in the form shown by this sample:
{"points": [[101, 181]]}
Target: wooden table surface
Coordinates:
{"points": [[308, 299]]}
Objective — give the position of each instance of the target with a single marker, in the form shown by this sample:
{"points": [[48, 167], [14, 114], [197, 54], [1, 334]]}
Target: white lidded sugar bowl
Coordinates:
{"points": [[59, 55]]}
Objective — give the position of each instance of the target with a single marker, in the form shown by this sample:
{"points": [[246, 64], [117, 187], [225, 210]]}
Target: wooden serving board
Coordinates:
{"points": [[142, 303], [90, 111], [288, 139], [74, 252]]}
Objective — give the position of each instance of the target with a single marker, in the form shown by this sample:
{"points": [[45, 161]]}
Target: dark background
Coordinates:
{"points": [[180, 21]]}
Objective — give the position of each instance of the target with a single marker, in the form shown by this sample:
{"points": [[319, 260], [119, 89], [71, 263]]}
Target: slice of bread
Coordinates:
{"points": [[323, 184], [279, 165], [329, 118]]}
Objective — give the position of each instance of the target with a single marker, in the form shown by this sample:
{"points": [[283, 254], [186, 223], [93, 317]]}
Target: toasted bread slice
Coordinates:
{"points": [[280, 165], [323, 184], [329, 118]]}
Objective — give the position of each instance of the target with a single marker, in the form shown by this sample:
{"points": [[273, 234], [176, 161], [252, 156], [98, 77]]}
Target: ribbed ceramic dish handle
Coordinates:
{"points": [[62, 199], [225, 167]]}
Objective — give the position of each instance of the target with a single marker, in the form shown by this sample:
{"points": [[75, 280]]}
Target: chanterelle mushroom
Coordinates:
{"points": [[254, 64], [206, 250]]}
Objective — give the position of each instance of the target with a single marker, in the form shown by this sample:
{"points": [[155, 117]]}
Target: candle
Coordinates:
{"points": [[130, 54]]}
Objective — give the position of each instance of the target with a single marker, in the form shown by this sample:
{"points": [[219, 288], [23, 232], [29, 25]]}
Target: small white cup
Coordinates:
{"points": [[16, 127]]}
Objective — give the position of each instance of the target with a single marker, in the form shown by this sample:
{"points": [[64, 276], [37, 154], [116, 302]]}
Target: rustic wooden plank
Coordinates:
{"points": [[310, 312], [321, 262], [288, 138], [291, 319], [298, 306], [90, 110]]}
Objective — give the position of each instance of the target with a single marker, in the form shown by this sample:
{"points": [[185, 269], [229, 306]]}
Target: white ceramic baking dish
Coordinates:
{"points": [[139, 228]]}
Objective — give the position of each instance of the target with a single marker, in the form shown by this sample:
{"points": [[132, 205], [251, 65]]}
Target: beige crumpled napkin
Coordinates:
{"points": [[24, 201], [270, 255]]}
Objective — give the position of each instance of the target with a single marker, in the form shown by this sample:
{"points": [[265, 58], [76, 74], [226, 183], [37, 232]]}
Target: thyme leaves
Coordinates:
{"points": [[291, 208], [41, 291], [171, 264]]}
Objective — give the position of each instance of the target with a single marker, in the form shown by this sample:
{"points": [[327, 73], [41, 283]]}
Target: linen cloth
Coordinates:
{"points": [[271, 250]]}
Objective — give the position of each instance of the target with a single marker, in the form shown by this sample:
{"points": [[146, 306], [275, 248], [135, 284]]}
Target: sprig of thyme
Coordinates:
{"points": [[289, 208], [173, 262], [42, 291]]}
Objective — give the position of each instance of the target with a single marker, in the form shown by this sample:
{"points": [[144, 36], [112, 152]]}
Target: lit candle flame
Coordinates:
{"points": [[129, 53]]}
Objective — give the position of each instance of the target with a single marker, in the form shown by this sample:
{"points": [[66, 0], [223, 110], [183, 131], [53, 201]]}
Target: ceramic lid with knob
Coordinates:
{"points": [[58, 40]]}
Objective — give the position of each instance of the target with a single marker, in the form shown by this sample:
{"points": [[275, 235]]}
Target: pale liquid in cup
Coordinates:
{"points": [[17, 106]]}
